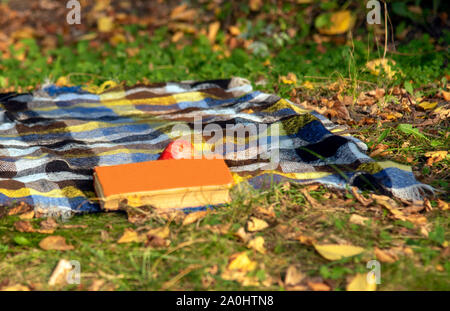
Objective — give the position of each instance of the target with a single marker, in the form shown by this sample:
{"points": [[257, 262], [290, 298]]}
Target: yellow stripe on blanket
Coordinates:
{"points": [[67, 192], [303, 176], [106, 153]]}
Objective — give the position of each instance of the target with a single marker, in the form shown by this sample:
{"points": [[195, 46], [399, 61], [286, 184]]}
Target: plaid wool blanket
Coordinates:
{"points": [[51, 139]]}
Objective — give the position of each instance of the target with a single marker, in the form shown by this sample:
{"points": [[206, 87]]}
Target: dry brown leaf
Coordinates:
{"points": [[55, 242], [389, 204], [338, 110], [443, 205], [207, 281], [378, 149], [256, 224], [73, 226], [313, 202], [49, 224], [24, 226], [427, 205], [234, 30], [177, 36], [20, 209], [241, 234], [96, 285], [293, 276], [59, 274], [193, 217], [446, 96], [414, 207], [361, 199], [257, 244], [358, 220], [162, 232], [307, 240], [317, 286], [156, 241], [385, 255], [180, 13], [213, 28], [213, 269], [416, 219], [269, 212], [27, 216], [219, 229]]}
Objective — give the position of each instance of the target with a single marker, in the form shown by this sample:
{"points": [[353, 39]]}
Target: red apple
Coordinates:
{"points": [[178, 149]]}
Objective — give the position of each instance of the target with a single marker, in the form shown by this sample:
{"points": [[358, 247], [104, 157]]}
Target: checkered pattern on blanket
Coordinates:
{"points": [[51, 140]]}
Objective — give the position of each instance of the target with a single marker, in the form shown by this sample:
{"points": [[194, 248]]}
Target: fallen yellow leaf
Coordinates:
{"points": [[256, 224], [234, 30], [291, 78], [308, 85], [427, 105], [63, 81], [443, 205], [257, 244], [15, 288], [59, 274], [435, 156], [105, 24], [27, 216], [128, 236], [238, 267], [117, 38], [340, 22], [162, 232], [336, 251], [375, 65], [241, 262], [193, 217], [359, 283], [255, 5]]}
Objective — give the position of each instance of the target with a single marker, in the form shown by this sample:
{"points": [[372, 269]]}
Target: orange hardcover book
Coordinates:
{"points": [[164, 184]]}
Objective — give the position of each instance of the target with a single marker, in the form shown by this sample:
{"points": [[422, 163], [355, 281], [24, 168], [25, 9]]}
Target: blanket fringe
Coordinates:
{"points": [[412, 193]]}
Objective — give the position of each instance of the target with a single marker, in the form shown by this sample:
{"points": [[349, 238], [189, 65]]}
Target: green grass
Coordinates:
{"points": [[159, 60], [137, 267]]}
